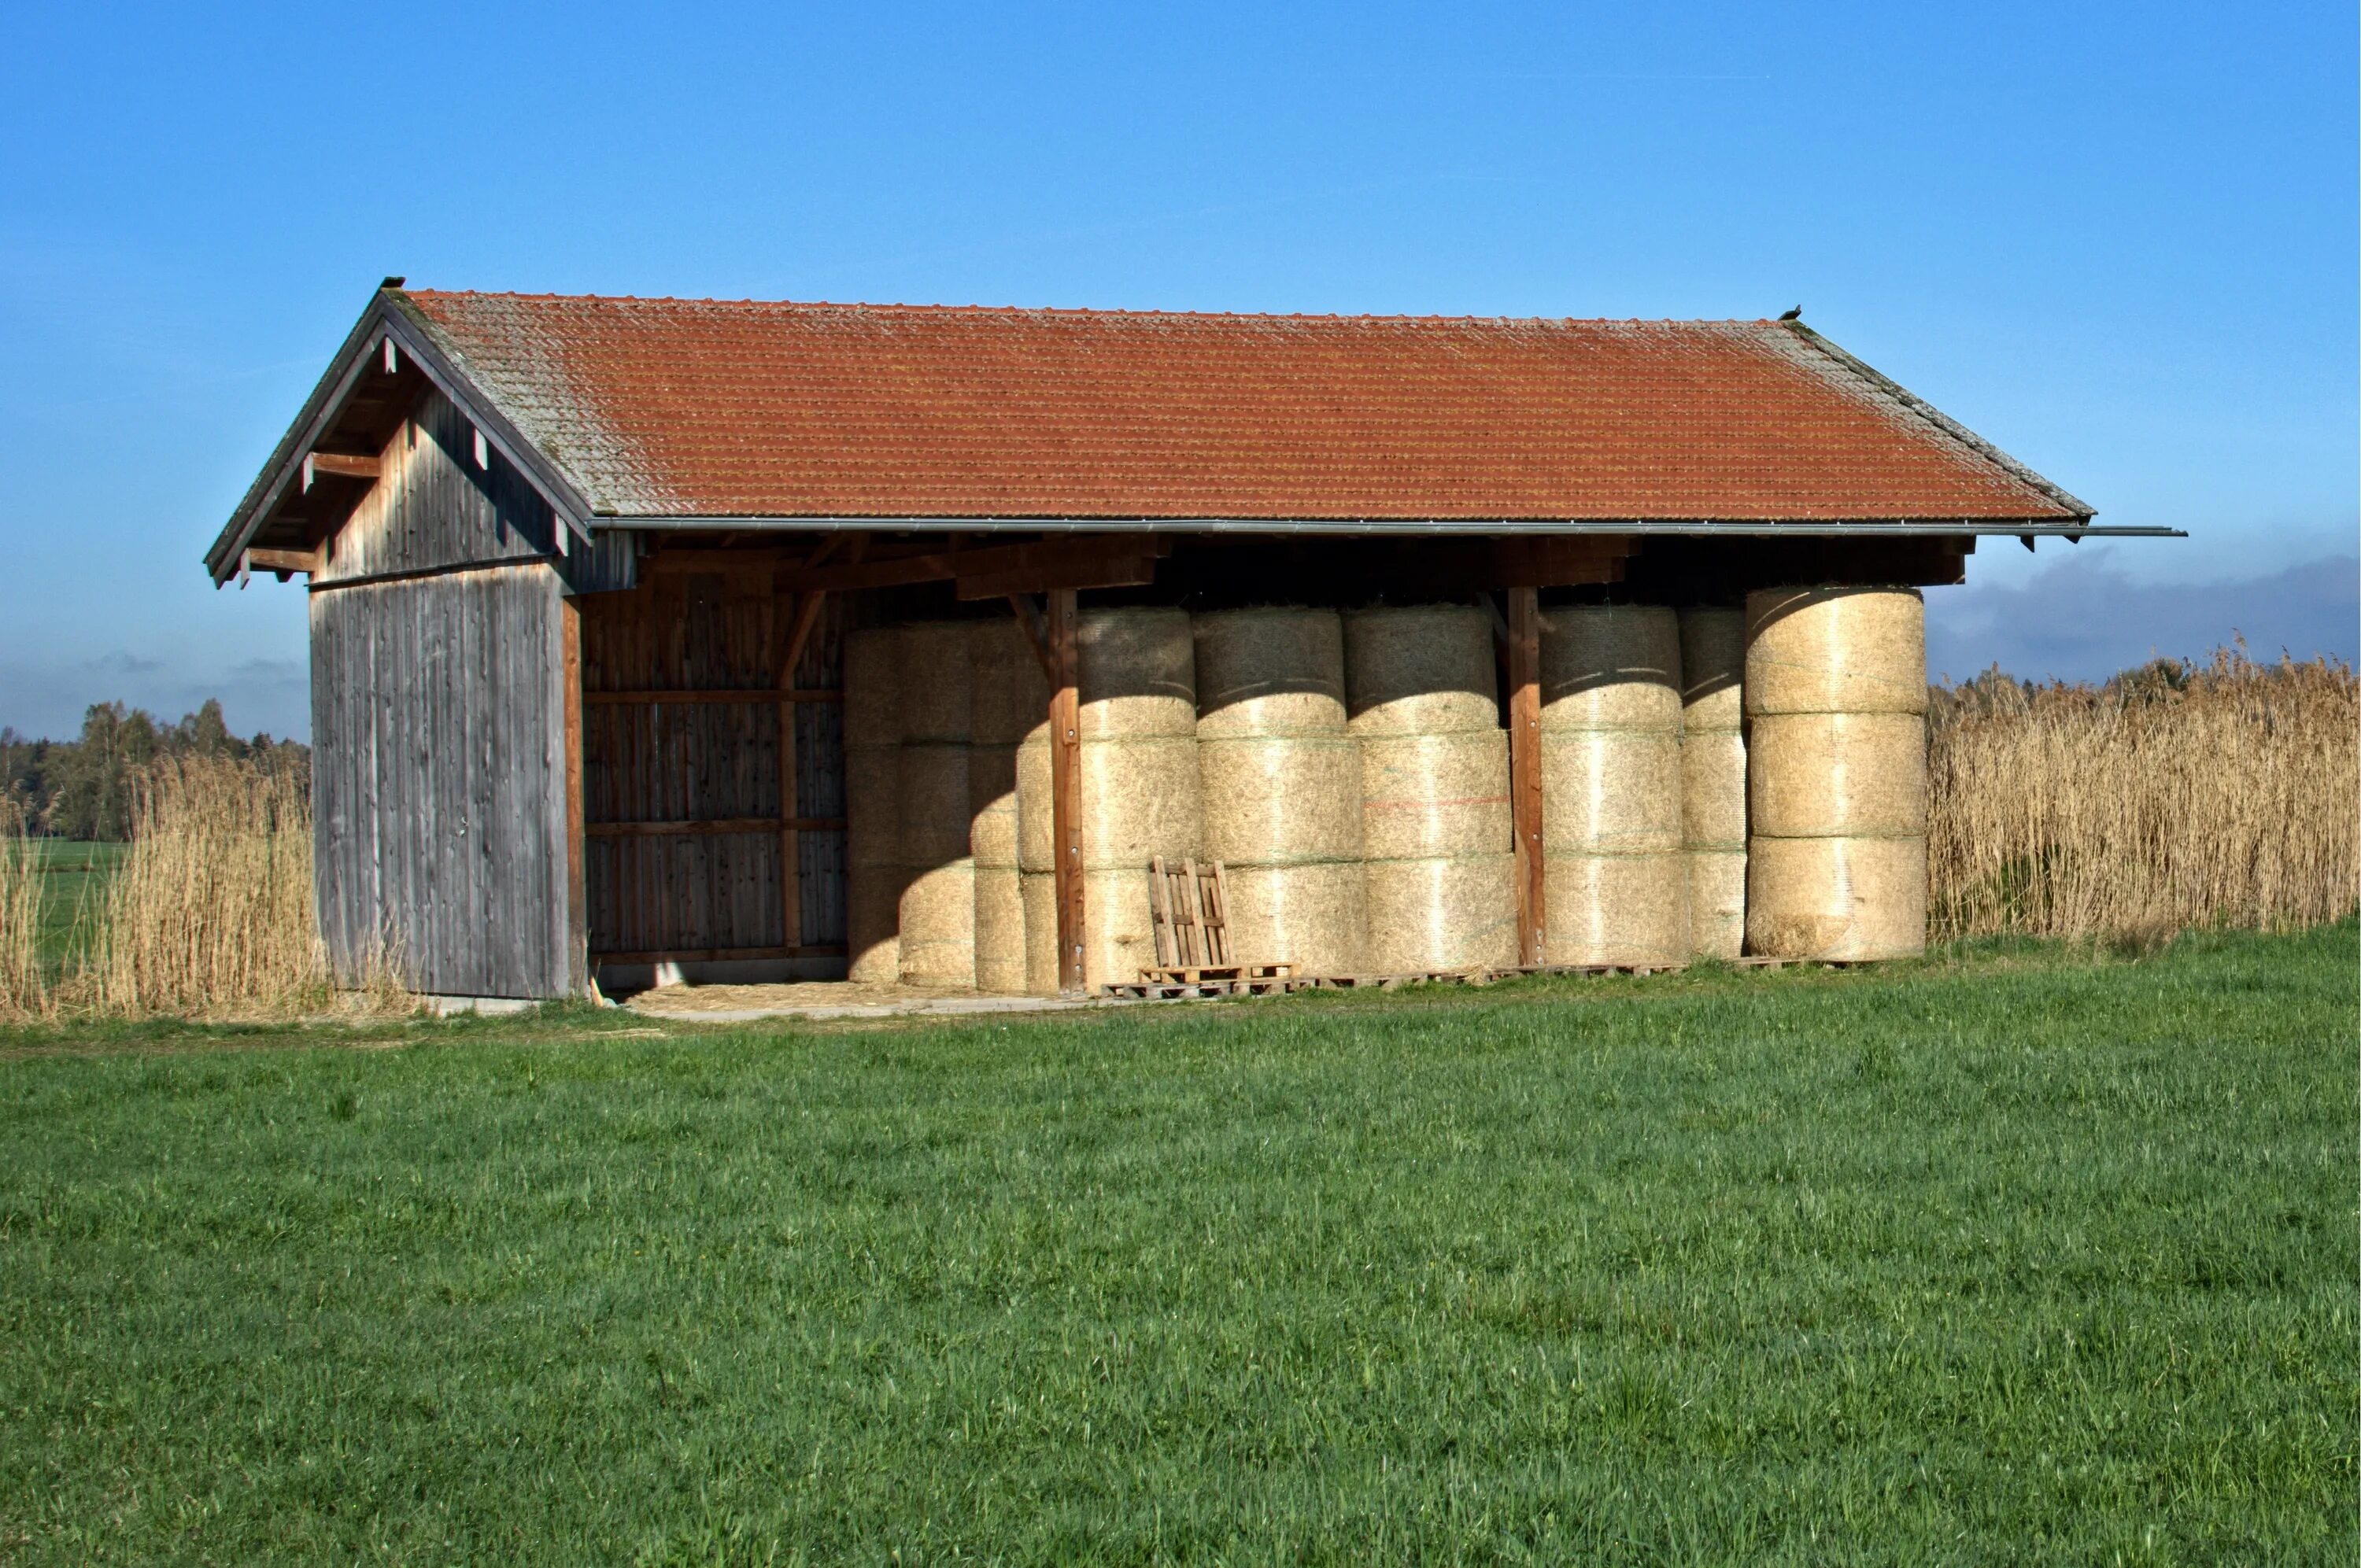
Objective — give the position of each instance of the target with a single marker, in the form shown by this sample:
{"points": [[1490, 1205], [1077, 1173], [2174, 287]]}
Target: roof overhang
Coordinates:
{"points": [[384, 322]]}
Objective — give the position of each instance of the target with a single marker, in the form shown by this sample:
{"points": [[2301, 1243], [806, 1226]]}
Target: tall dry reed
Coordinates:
{"points": [[2169, 798], [23, 989], [211, 910]]}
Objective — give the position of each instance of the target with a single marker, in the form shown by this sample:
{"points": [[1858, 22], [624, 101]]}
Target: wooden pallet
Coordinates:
{"points": [[1189, 906], [1177, 982]]}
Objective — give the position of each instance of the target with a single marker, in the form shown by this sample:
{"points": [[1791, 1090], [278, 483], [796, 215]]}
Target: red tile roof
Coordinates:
{"points": [[700, 408]]}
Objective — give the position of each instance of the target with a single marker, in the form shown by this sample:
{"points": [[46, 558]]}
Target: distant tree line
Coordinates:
{"points": [[81, 788]]}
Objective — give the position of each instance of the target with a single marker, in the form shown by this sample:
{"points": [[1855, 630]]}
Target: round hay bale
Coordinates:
{"points": [[1614, 666], [1713, 789], [1119, 930], [938, 926], [928, 658], [992, 805], [999, 930], [1039, 891], [1135, 674], [1036, 829], [872, 719], [1836, 899], [1433, 795], [872, 918], [1716, 903], [1713, 666], [1008, 697], [934, 803], [1610, 792], [1269, 672], [1313, 916], [1840, 649], [1617, 909], [1139, 798], [1420, 670], [1441, 913], [1861, 775], [1280, 800], [873, 807]]}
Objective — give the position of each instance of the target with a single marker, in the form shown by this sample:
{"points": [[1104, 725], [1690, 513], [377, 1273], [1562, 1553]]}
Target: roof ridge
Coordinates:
{"points": [[927, 307]]}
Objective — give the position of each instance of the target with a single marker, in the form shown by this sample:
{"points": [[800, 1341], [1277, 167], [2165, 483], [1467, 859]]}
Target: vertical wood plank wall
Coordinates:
{"points": [[439, 780], [432, 507], [652, 766]]}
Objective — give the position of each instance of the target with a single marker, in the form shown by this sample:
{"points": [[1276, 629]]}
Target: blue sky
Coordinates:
{"points": [[2118, 240]]}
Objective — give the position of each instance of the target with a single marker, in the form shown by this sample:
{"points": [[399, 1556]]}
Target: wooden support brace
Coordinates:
{"points": [[1066, 785], [1034, 624], [283, 560], [1525, 769], [342, 464]]}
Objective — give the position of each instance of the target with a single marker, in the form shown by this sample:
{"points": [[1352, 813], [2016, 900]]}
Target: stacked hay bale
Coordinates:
{"points": [[1283, 786], [1008, 701], [937, 935], [1713, 779], [1440, 872], [873, 825], [1137, 683], [1615, 881], [1836, 704]]}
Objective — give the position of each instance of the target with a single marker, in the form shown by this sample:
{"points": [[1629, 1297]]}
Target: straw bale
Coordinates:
{"points": [[1420, 670], [1610, 792], [938, 926], [1434, 794], [1314, 916], [1139, 799], [871, 717], [1617, 909], [1860, 776], [1135, 672], [1713, 789], [1279, 800], [1039, 891], [1837, 898], [934, 702], [1036, 837], [1713, 664], [999, 930], [1840, 648], [1119, 930], [1610, 667], [873, 807], [934, 803], [872, 917], [1454, 912], [1008, 697], [992, 805], [1716, 903], [1269, 672]]}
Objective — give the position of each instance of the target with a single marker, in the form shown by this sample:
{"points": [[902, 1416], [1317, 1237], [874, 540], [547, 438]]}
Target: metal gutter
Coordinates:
{"points": [[1908, 528]]}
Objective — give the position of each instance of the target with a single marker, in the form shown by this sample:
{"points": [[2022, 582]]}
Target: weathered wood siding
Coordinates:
{"points": [[439, 778], [432, 507], [706, 894]]}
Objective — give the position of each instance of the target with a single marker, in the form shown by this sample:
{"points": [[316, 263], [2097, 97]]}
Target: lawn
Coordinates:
{"points": [[2013, 1255]]}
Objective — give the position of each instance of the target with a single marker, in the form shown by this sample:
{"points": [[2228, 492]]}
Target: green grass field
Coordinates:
{"points": [[2009, 1256], [73, 880]]}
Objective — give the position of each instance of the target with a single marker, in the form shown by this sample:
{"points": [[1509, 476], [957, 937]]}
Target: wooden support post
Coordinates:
{"points": [[793, 639], [1066, 785], [577, 902], [1525, 769]]}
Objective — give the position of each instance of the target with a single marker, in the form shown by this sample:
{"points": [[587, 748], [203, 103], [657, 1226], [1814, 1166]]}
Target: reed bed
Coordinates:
{"points": [[211, 913], [2174, 796], [24, 988]]}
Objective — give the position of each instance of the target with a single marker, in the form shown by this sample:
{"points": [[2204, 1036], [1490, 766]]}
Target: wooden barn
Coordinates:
{"points": [[955, 646]]}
